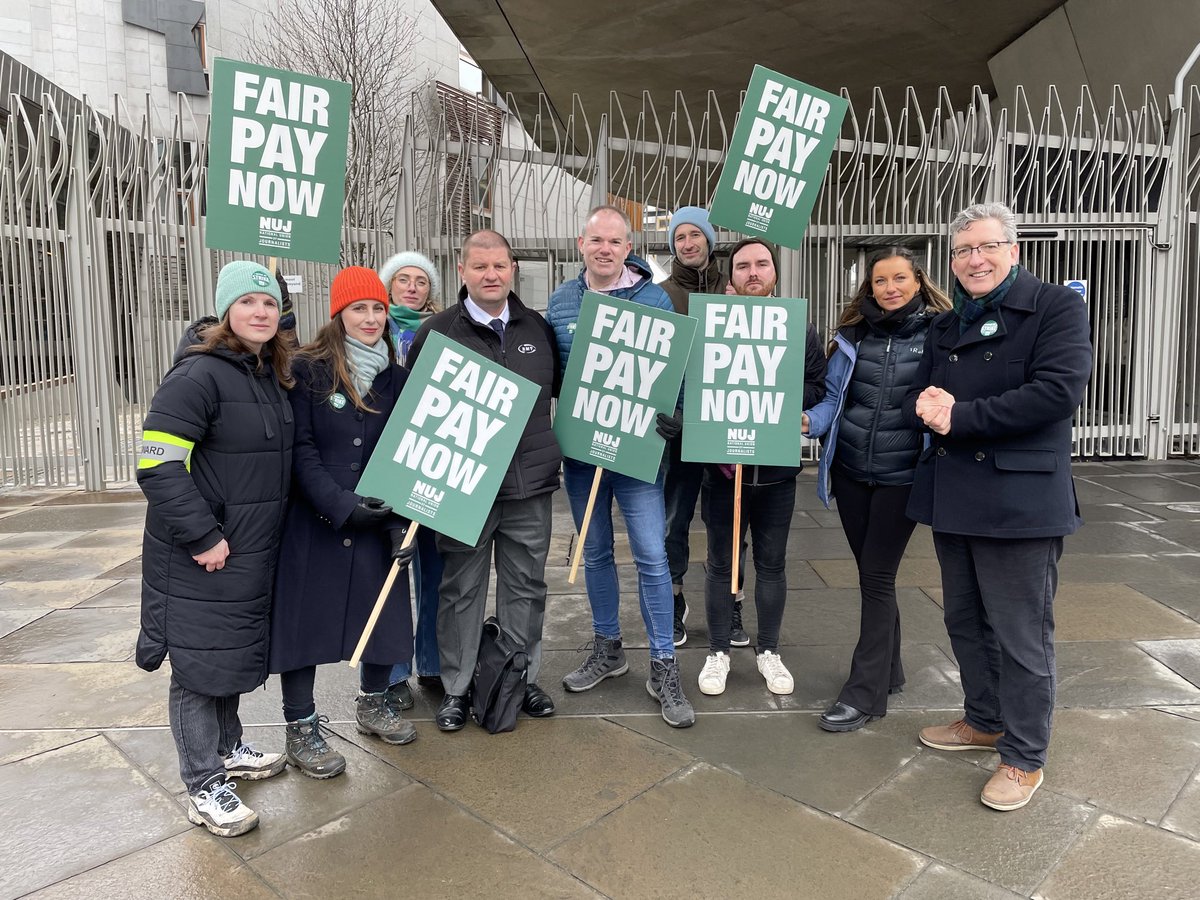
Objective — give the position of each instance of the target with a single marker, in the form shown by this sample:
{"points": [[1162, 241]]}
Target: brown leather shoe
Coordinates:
{"points": [[958, 736], [1010, 788]]}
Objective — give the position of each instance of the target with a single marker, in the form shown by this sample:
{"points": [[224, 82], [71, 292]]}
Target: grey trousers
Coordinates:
{"points": [[517, 536], [206, 729], [998, 603]]}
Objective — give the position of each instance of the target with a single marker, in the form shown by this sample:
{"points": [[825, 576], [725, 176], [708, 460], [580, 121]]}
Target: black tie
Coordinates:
{"points": [[498, 327]]}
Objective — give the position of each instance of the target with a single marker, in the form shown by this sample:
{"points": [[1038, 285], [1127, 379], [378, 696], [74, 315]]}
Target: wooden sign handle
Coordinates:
{"points": [[737, 526], [583, 526], [273, 264], [382, 598]]}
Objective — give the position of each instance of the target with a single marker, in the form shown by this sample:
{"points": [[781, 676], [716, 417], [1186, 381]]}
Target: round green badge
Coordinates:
{"points": [[337, 401], [988, 328]]}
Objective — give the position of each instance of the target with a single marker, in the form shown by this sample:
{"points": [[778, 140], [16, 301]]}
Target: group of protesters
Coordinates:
{"points": [[260, 557]]}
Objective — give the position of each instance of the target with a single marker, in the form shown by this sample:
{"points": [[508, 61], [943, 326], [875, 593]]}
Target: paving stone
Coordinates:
{"points": [[53, 803], [444, 852], [55, 565], [791, 755], [1115, 859], [75, 635], [819, 543], [914, 572], [933, 806], [1184, 598], [1156, 513], [1184, 533], [584, 769], [191, 866], [82, 695], [16, 745], [832, 616], [1091, 748], [1089, 568], [1110, 612], [1184, 815], [130, 569], [50, 594], [1088, 492], [289, 804], [1149, 487], [82, 517], [1119, 538], [1094, 513], [695, 814], [122, 538], [1181, 657], [124, 593], [1116, 674], [940, 882], [13, 619], [38, 540]]}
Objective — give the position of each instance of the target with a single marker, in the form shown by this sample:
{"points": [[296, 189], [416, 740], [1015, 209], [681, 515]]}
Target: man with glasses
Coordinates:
{"points": [[1000, 379]]}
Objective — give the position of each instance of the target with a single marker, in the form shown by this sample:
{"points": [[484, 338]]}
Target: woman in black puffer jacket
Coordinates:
{"points": [[215, 465], [868, 456]]}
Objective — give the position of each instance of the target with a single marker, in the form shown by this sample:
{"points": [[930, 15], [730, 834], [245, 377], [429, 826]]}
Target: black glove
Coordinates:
{"points": [[400, 553], [669, 427], [371, 512]]}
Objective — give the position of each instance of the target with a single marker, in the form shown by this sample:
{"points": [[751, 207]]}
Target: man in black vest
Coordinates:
{"points": [[491, 320], [1001, 377]]}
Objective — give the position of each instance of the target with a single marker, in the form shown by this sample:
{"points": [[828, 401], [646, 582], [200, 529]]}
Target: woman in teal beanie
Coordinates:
{"points": [[414, 294]]}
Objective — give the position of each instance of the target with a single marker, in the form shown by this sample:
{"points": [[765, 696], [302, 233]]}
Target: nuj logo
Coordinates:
{"points": [[761, 210], [742, 434], [608, 440], [428, 491], [266, 223]]}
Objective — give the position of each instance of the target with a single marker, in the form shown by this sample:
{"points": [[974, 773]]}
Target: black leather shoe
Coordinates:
{"points": [[841, 717], [537, 702], [452, 714]]}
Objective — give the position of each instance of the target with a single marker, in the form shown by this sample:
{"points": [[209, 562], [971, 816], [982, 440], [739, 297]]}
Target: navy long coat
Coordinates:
{"points": [[329, 573], [1017, 376]]}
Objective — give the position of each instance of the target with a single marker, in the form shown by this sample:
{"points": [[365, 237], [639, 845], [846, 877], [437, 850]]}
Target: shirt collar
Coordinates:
{"points": [[482, 317]]}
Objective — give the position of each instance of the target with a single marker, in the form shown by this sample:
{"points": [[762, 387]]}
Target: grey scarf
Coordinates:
{"points": [[365, 363]]}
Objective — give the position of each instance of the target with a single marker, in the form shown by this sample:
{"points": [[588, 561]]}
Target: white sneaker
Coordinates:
{"points": [[712, 676], [248, 763], [220, 811], [779, 679]]}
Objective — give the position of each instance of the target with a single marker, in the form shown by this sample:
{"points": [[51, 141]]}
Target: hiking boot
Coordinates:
{"points": [[771, 667], [248, 763], [681, 614], [664, 687], [737, 634], [712, 676], [220, 810], [400, 696], [375, 716], [958, 736], [607, 660], [308, 751], [1010, 788]]}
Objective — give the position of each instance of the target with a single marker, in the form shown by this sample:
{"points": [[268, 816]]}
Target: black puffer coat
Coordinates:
{"points": [[234, 484]]}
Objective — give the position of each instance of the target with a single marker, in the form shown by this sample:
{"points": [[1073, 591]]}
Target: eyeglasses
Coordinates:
{"points": [[990, 248]]}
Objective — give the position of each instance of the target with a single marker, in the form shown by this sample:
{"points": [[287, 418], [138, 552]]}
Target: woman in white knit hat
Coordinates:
{"points": [[414, 294]]}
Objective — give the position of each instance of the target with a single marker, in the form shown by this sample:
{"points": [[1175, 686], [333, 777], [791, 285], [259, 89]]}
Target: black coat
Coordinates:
{"points": [[529, 350], [1004, 470], [329, 573], [235, 485]]}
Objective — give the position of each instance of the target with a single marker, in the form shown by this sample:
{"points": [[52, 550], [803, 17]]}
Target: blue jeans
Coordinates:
{"points": [[427, 576], [641, 506]]}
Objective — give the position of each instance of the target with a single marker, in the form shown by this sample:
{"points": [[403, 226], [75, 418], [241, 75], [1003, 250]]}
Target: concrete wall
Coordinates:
{"points": [[1101, 43]]}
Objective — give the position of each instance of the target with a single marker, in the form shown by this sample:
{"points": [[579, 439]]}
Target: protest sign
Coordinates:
{"points": [[627, 362], [276, 162], [744, 389], [449, 440], [785, 134]]}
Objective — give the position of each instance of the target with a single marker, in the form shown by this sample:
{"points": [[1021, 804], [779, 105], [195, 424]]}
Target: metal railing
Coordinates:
{"points": [[103, 263]]}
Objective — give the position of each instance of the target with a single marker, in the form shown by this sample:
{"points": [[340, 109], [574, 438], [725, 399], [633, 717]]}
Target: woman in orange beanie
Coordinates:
{"points": [[338, 545]]}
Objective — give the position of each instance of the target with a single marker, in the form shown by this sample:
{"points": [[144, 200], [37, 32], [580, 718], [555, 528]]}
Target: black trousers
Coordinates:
{"points": [[878, 532], [998, 597], [297, 688]]}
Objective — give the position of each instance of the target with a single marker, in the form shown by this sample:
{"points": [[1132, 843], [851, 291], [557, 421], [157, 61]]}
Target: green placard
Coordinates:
{"points": [[448, 442], [627, 362], [744, 390], [785, 134], [276, 162]]}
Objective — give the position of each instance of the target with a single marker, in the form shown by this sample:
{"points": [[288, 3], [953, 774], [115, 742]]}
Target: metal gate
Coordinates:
{"points": [[102, 259]]}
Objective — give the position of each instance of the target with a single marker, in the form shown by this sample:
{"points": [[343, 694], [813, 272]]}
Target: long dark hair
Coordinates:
{"points": [[221, 335], [935, 297], [329, 347]]}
